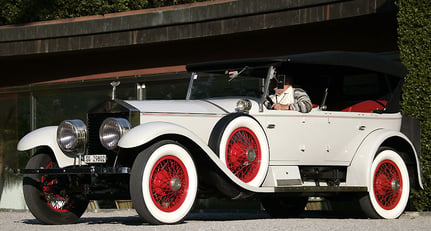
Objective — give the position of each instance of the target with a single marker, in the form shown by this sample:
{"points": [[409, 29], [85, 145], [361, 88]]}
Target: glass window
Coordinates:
{"points": [[172, 89], [15, 122], [60, 101], [52, 107], [210, 85]]}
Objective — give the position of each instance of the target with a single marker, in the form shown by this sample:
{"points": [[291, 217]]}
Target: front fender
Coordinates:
{"points": [[46, 136], [146, 132], [358, 173]]}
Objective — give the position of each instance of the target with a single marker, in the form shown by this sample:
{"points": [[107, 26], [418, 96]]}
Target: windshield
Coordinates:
{"points": [[220, 84]]}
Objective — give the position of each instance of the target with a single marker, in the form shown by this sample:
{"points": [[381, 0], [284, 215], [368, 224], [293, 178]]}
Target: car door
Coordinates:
{"points": [[294, 138], [345, 132]]}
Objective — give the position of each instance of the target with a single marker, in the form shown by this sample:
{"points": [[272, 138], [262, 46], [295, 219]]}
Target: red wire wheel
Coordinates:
{"points": [[49, 197], [163, 183], [243, 154], [388, 184], [54, 200], [169, 183]]}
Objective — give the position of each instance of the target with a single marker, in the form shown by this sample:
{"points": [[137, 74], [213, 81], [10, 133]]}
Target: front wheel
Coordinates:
{"points": [[389, 186], [47, 196], [241, 144], [163, 183]]}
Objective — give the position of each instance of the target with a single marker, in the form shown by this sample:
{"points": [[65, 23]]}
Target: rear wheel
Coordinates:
{"points": [[389, 186], [47, 196], [163, 183]]}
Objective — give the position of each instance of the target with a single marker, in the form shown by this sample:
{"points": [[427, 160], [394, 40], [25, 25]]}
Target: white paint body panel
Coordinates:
{"points": [[320, 137], [363, 159], [281, 176], [46, 136]]}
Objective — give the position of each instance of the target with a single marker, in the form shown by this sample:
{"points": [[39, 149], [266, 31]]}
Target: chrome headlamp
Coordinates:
{"points": [[72, 136], [111, 131], [243, 105]]}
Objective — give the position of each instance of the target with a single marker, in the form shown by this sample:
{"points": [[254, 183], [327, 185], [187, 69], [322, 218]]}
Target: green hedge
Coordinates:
{"points": [[414, 41], [23, 11]]}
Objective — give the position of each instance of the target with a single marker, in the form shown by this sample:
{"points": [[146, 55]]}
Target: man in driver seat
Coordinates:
{"points": [[287, 97]]}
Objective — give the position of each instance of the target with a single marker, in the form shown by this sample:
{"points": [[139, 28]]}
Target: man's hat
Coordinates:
{"points": [[283, 79]]}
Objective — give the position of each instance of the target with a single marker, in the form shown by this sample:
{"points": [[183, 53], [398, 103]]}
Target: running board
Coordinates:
{"points": [[320, 189]]}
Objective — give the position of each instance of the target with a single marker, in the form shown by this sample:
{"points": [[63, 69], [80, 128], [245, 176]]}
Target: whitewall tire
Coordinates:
{"points": [[243, 148], [389, 186], [163, 183]]}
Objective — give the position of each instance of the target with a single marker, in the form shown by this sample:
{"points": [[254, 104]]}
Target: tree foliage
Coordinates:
{"points": [[24, 11], [414, 41]]}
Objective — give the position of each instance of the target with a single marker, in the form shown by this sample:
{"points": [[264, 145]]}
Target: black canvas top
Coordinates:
{"points": [[361, 60]]}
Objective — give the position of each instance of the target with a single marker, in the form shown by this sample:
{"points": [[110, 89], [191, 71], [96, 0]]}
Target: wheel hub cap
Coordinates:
{"points": [[251, 155], [396, 185], [176, 184]]}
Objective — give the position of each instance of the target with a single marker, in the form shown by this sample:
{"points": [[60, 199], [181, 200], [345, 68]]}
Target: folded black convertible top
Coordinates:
{"points": [[378, 62]]}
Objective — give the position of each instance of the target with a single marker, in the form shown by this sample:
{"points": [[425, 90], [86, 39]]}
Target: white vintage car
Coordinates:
{"points": [[224, 140]]}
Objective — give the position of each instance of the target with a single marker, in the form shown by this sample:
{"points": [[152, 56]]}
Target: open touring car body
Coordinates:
{"points": [[224, 140]]}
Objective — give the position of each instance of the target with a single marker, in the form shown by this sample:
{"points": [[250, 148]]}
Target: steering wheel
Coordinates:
{"points": [[270, 102]]}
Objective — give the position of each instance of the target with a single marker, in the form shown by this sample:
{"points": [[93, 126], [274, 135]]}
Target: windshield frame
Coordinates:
{"points": [[270, 74], [234, 80]]}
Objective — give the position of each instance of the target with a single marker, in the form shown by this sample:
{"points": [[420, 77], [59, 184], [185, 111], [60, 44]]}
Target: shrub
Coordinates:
{"points": [[414, 41], [24, 11]]}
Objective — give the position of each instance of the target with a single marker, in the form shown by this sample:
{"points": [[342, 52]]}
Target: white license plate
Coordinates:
{"points": [[95, 159]]}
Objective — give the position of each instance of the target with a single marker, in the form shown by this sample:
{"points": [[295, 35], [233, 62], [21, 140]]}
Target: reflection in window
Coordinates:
{"points": [[14, 123]]}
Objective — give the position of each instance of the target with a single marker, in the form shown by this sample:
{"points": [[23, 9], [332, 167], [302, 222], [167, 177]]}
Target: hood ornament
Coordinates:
{"points": [[114, 85]]}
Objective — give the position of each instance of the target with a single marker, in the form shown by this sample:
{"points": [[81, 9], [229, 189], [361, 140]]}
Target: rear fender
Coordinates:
{"points": [[358, 173], [45, 137], [147, 132]]}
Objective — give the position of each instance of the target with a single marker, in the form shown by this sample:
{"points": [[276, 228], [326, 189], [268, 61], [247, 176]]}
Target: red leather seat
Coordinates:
{"points": [[367, 106]]}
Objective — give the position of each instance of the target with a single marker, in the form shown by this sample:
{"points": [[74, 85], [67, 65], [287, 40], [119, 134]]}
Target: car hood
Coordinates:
{"points": [[211, 106]]}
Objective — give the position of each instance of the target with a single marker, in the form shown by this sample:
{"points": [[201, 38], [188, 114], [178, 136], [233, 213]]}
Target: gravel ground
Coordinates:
{"points": [[216, 220]]}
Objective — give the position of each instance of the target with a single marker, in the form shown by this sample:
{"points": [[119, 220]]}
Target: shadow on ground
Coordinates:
{"points": [[208, 215]]}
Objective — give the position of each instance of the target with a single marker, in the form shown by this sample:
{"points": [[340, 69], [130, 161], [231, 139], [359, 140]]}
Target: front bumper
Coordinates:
{"points": [[83, 170]]}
